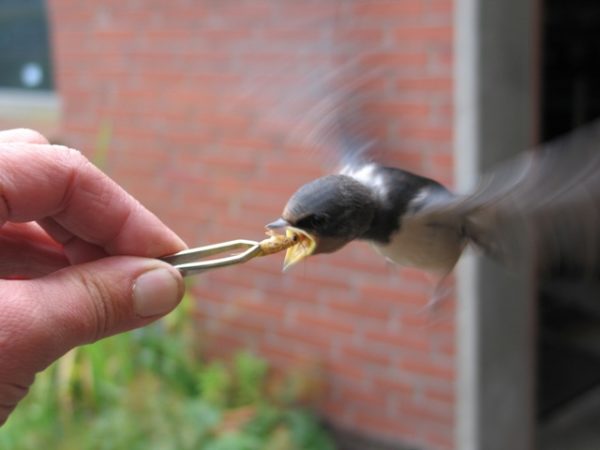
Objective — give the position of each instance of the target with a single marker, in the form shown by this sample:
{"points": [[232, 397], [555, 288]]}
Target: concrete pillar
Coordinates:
{"points": [[495, 48]]}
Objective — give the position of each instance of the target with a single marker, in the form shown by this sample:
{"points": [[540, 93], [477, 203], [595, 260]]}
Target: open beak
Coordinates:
{"points": [[305, 247]]}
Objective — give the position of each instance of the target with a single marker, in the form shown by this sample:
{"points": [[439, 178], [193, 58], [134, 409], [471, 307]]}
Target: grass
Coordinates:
{"points": [[150, 389]]}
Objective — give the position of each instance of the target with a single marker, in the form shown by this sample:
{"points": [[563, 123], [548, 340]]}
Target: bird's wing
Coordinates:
{"points": [[318, 91], [545, 203]]}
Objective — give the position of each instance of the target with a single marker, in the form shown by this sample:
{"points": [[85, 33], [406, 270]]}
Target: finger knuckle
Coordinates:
{"points": [[102, 313], [70, 156], [74, 164]]}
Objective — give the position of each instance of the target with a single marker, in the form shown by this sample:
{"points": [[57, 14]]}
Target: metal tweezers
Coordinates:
{"points": [[191, 261]]}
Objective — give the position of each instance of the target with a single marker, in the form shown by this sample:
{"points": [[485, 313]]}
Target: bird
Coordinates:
{"points": [[543, 204], [378, 204]]}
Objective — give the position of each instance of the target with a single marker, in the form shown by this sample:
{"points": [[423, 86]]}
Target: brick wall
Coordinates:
{"points": [[190, 94]]}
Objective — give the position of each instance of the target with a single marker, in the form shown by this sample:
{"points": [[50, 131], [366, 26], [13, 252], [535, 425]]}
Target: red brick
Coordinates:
{"points": [[358, 310], [395, 59], [386, 426], [344, 369], [365, 356], [445, 396], [441, 34], [445, 160], [76, 17], [319, 341], [324, 280], [219, 345], [446, 347], [326, 323], [418, 319], [247, 12], [424, 413], [441, 6], [284, 356], [362, 398], [225, 121], [290, 293], [427, 133], [406, 340], [216, 79], [434, 322], [258, 60], [290, 34], [228, 163], [116, 36], [181, 141], [388, 9], [269, 309], [395, 386], [422, 366], [334, 409], [245, 143], [440, 440], [389, 294], [306, 171], [223, 37], [315, 13], [241, 325], [259, 210], [368, 36], [424, 84], [180, 97], [370, 265], [399, 109]]}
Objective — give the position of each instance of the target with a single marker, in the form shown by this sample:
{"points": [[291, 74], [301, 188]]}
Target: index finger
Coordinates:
{"points": [[40, 181]]}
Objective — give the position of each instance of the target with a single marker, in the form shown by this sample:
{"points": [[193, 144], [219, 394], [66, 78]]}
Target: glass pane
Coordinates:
{"points": [[24, 45]]}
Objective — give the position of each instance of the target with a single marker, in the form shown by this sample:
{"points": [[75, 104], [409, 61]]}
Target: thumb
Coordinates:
{"points": [[83, 303]]}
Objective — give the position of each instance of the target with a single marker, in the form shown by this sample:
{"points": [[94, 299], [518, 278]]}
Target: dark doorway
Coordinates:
{"points": [[569, 310]]}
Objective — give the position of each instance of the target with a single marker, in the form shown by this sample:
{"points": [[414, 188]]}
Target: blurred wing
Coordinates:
{"points": [[545, 203], [317, 91]]}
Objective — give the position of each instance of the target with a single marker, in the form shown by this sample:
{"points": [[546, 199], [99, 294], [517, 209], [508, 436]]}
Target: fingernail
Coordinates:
{"points": [[156, 292]]}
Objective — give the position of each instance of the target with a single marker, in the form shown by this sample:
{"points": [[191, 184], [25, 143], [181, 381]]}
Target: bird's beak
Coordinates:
{"points": [[305, 247], [279, 223]]}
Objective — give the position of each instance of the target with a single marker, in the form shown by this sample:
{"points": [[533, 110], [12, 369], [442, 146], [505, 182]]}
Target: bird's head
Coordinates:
{"points": [[326, 214]]}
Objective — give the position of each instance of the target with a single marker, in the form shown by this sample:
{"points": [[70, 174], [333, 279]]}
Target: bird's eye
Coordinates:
{"points": [[311, 221]]}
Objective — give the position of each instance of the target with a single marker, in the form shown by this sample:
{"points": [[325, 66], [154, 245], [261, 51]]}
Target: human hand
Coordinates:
{"points": [[75, 259]]}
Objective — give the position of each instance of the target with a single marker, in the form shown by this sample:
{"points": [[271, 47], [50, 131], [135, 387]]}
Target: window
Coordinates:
{"points": [[25, 60]]}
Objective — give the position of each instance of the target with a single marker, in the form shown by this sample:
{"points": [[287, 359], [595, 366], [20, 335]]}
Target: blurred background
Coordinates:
{"points": [[205, 111]]}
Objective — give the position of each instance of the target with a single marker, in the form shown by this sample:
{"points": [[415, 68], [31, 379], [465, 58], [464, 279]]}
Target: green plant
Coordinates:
{"points": [[149, 389]]}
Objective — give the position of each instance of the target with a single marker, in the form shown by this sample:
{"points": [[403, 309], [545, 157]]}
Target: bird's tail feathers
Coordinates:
{"points": [[543, 205]]}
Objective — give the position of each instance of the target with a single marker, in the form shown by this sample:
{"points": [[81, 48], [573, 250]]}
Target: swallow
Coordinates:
{"points": [[544, 204]]}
